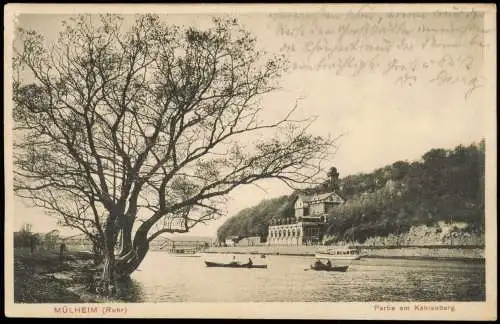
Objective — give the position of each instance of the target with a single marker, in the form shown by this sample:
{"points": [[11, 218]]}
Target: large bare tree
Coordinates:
{"points": [[137, 131]]}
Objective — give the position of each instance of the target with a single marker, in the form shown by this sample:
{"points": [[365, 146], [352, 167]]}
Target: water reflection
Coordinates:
{"points": [[166, 278]]}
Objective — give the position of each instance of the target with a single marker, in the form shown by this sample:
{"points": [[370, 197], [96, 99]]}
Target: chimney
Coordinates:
{"points": [[334, 179]]}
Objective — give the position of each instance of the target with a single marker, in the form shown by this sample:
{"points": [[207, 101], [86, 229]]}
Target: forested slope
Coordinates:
{"points": [[445, 185]]}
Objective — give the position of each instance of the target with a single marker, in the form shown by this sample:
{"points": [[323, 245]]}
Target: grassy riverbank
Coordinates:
{"points": [[42, 277]]}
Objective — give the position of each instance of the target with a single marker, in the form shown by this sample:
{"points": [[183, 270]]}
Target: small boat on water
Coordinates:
{"points": [[320, 265], [329, 268], [236, 265], [339, 253], [184, 252]]}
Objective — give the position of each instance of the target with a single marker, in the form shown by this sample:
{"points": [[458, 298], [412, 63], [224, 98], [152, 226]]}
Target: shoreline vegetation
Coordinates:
{"points": [[42, 277]]}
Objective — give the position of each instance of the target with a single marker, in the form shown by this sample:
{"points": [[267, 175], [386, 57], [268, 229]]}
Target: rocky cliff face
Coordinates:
{"points": [[440, 234]]}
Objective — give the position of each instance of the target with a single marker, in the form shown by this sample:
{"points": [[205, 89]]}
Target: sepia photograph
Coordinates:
{"points": [[250, 161]]}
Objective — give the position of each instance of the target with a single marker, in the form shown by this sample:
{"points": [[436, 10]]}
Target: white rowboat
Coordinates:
{"points": [[339, 253]]}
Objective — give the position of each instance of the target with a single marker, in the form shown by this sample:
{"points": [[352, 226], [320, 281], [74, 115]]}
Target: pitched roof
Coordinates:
{"points": [[251, 238], [323, 196], [304, 198], [320, 197], [75, 237], [53, 232], [191, 238]]}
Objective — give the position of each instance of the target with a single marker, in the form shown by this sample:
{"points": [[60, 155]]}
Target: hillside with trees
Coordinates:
{"points": [[444, 186], [254, 221]]}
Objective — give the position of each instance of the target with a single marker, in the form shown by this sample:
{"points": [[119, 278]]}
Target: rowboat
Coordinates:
{"points": [[184, 252], [339, 253], [236, 265], [331, 268]]}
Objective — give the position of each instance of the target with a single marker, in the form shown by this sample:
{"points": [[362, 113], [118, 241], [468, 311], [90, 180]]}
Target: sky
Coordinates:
{"points": [[426, 89]]}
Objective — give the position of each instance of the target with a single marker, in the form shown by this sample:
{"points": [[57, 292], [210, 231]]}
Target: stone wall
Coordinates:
{"points": [[445, 234], [425, 252], [439, 234]]}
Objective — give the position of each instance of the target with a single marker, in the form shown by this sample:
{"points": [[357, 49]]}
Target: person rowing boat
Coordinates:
{"points": [[318, 265], [234, 260]]}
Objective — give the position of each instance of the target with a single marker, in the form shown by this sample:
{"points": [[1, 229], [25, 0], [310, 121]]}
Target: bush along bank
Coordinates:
{"points": [[45, 277]]}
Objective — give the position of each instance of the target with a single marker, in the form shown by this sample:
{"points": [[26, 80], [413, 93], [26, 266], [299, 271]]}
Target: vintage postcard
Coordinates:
{"points": [[250, 161]]}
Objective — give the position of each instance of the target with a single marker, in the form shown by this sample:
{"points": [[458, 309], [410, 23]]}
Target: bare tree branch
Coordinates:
{"points": [[157, 121]]}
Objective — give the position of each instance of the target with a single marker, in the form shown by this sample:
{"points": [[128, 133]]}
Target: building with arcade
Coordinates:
{"points": [[310, 215]]}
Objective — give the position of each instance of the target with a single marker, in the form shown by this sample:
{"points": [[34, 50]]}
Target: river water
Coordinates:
{"points": [[166, 278]]}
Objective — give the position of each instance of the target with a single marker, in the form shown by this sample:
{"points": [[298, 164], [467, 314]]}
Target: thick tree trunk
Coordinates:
{"points": [[131, 255], [97, 252], [108, 284], [128, 263], [108, 279], [126, 242]]}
